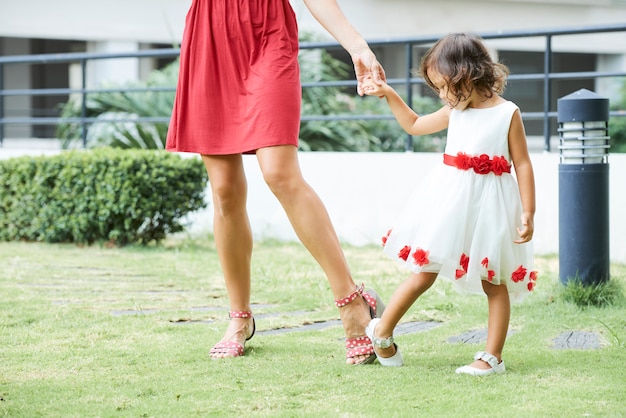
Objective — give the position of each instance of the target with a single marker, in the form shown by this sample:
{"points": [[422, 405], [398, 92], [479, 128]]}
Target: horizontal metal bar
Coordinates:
{"points": [[565, 75], [312, 84], [583, 128], [582, 156], [573, 30], [587, 138], [67, 91], [327, 118], [82, 56], [304, 118], [58, 120], [173, 52], [584, 147], [156, 119]]}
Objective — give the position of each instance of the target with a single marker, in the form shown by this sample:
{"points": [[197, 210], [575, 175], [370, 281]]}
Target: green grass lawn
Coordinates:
{"points": [[109, 332]]}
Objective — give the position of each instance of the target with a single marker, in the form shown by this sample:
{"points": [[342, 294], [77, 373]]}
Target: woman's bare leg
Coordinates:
{"points": [[311, 222], [402, 299], [233, 237]]}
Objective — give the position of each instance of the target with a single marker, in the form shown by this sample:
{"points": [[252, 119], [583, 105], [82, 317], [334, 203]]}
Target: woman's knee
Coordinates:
{"points": [[228, 196], [281, 170], [282, 182], [227, 180]]}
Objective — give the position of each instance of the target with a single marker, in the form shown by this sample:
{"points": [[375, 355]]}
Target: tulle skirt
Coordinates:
{"points": [[463, 225]]}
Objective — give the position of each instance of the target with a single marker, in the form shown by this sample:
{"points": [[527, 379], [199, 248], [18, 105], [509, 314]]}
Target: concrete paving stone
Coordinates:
{"points": [[306, 327], [470, 337], [257, 316], [415, 326], [404, 328], [567, 340], [134, 312], [193, 309], [401, 329], [577, 340], [473, 337]]}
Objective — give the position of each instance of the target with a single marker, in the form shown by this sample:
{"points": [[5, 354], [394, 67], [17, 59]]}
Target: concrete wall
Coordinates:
{"points": [[361, 193]]}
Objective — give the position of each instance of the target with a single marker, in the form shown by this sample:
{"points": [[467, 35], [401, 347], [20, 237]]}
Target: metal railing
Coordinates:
{"points": [[408, 80]]}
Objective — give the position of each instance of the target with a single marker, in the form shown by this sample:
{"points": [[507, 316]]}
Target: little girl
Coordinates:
{"points": [[469, 221]]}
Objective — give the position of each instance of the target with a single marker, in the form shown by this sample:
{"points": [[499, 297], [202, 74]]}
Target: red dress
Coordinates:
{"points": [[239, 81]]}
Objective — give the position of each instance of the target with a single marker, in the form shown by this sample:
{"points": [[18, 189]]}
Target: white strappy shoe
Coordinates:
{"points": [[490, 359], [393, 361]]}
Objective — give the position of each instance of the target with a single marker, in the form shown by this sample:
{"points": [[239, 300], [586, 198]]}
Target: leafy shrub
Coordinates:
{"points": [[134, 102], [617, 124], [350, 134], [617, 132], [122, 197], [329, 101], [391, 137], [595, 294]]}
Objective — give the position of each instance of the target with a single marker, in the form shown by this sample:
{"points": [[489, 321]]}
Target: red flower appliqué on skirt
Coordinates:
{"points": [[421, 258]]}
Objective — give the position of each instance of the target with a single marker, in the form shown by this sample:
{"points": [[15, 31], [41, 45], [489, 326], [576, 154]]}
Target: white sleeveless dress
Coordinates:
{"points": [[462, 218]]}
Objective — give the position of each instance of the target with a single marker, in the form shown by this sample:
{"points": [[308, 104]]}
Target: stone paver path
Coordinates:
{"points": [[567, 340]]}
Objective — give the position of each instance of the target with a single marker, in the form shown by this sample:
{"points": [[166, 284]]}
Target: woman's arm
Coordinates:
{"points": [[331, 17]]}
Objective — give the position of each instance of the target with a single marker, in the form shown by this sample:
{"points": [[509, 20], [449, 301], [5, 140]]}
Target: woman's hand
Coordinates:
{"points": [[366, 66]]}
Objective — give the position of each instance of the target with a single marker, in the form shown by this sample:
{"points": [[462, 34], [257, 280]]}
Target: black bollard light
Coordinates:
{"points": [[583, 188]]}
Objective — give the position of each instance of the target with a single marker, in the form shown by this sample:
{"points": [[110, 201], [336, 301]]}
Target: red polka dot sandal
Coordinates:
{"points": [[362, 346], [228, 349]]}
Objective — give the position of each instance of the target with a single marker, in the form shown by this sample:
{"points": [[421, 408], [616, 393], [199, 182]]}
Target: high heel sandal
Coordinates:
{"points": [[227, 349], [362, 346], [393, 361]]}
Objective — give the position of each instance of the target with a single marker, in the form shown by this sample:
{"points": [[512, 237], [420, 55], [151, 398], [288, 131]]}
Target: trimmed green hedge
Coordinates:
{"points": [[121, 197]]}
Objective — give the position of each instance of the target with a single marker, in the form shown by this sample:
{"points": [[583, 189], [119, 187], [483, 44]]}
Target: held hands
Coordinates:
{"points": [[528, 229], [367, 67], [371, 88]]}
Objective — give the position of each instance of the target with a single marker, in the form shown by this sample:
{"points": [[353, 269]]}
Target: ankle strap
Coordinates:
{"points": [[240, 314], [488, 358], [357, 292]]}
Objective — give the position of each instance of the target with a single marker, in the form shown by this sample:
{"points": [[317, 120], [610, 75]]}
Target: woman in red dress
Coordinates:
{"points": [[239, 92]]}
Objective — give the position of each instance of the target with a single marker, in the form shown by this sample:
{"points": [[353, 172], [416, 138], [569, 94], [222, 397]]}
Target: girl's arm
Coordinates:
{"points": [[525, 177], [410, 121], [331, 17]]}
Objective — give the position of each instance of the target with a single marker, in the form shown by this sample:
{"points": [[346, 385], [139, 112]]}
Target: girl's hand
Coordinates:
{"points": [[528, 229], [371, 88]]}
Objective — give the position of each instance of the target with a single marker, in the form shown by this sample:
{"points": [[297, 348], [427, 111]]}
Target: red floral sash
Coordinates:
{"points": [[481, 164]]}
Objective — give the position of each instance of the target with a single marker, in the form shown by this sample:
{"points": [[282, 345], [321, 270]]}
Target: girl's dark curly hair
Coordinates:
{"points": [[464, 62]]}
